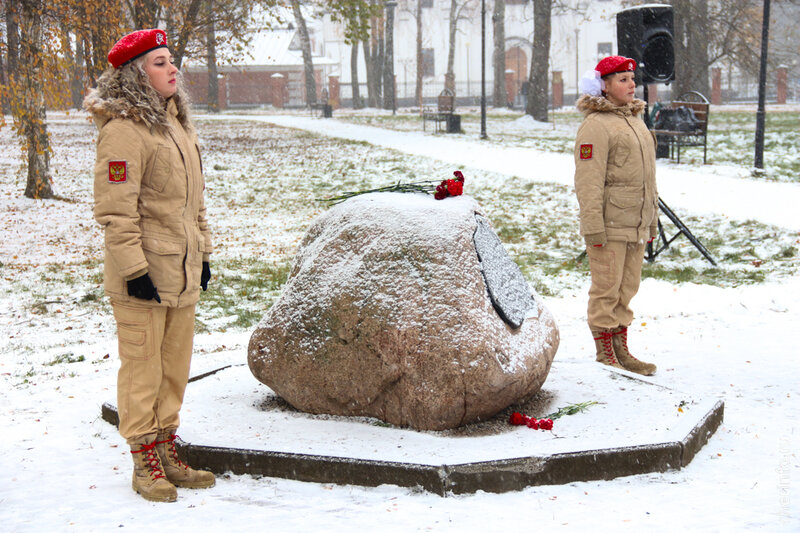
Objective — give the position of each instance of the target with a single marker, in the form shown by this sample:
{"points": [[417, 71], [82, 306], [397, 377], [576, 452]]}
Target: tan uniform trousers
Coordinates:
{"points": [[155, 351], [616, 270]]}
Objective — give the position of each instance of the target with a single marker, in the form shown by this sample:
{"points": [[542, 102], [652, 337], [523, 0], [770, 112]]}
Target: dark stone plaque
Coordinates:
{"points": [[508, 290]]}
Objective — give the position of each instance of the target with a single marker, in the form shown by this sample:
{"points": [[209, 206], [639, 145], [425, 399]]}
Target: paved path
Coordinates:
{"points": [[696, 189]]}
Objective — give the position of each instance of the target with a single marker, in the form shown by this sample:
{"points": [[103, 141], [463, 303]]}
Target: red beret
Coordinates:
{"points": [[136, 44], [611, 64]]}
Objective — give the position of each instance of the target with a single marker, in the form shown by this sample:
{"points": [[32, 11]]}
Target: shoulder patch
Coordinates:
{"points": [[117, 171], [586, 151]]}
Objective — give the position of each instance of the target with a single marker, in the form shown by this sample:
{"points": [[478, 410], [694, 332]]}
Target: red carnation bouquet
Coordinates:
{"points": [[452, 187], [546, 423], [440, 190]]}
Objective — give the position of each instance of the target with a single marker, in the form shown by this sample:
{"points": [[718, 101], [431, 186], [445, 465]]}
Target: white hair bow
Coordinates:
{"points": [[591, 83]]}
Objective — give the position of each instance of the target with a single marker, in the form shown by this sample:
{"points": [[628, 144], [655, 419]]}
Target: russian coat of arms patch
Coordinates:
{"points": [[117, 171]]}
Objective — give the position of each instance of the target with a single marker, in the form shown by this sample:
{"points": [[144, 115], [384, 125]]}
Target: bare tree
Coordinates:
{"points": [[457, 12], [499, 54], [357, 104], [211, 60], [305, 46], [376, 59], [537, 100], [356, 16], [420, 60], [691, 47], [388, 60]]}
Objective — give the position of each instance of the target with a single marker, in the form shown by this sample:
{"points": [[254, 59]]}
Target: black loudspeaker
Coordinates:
{"points": [[645, 34]]}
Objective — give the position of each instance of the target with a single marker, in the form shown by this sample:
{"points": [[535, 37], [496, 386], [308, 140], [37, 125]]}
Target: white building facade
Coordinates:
{"points": [[580, 36]]}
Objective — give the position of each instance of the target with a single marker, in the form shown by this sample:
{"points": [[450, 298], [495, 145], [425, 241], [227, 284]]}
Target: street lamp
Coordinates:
{"points": [[483, 70], [762, 90]]}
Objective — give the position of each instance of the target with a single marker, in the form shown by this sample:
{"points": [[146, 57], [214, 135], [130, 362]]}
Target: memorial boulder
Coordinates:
{"points": [[406, 309]]}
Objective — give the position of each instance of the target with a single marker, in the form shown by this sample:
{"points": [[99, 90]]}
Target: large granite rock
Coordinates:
{"points": [[386, 314]]}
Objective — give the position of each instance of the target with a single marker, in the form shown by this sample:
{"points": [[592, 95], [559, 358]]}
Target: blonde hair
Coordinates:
{"points": [[126, 92]]}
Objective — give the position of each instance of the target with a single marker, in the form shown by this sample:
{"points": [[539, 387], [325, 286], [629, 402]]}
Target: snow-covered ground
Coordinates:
{"points": [[64, 469]]}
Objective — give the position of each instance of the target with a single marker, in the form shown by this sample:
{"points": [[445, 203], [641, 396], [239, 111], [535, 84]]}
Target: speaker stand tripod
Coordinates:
{"points": [[654, 248]]}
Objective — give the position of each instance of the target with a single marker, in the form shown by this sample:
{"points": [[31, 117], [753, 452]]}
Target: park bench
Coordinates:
{"points": [[323, 108], [444, 113], [684, 122]]}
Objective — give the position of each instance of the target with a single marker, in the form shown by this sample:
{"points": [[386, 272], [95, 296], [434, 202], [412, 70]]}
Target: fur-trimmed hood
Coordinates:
{"points": [[590, 104], [126, 93]]}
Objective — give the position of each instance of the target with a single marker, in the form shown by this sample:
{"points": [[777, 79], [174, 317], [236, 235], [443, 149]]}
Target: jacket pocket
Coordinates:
{"points": [[621, 154], [160, 171], [134, 332], [623, 211], [165, 264]]}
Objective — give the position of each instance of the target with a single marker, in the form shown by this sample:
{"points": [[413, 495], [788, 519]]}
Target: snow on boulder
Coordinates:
{"points": [[386, 313]]}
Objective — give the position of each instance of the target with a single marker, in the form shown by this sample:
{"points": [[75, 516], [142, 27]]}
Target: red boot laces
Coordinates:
{"points": [[173, 452], [608, 347], [151, 459], [624, 333]]}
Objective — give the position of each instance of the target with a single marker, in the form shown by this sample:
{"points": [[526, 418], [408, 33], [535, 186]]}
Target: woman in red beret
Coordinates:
{"points": [[148, 196], [616, 187]]}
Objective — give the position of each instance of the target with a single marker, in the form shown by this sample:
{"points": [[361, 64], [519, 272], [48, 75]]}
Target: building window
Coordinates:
{"points": [[426, 3], [603, 50], [428, 69]]}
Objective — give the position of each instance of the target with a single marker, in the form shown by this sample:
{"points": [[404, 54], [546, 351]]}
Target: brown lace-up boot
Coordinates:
{"points": [[148, 474], [177, 472], [628, 361], [605, 349]]}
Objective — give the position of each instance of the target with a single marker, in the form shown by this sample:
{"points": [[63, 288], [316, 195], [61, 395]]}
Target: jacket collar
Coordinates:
{"points": [[600, 104]]}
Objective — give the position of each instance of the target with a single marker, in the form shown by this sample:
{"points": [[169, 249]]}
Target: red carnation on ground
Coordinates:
{"points": [[459, 176], [546, 423], [532, 423], [516, 419]]}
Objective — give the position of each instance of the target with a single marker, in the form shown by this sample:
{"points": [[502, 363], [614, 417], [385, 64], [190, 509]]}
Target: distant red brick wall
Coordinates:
{"points": [[247, 87]]}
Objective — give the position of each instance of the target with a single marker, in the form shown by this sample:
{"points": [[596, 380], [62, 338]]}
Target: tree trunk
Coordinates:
{"points": [[5, 106], [691, 47], [499, 54], [70, 66], [12, 53], [305, 45], [377, 58], [357, 104], [144, 13], [30, 116], [371, 98], [536, 105], [449, 76], [186, 32], [420, 66], [12, 38], [78, 76], [211, 61], [388, 64]]}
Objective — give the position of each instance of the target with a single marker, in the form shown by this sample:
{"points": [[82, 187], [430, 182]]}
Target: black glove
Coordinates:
{"points": [[206, 275], [143, 288]]}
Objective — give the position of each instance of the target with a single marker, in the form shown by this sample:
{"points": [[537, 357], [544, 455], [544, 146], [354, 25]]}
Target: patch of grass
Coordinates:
{"points": [[240, 292], [65, 358]]}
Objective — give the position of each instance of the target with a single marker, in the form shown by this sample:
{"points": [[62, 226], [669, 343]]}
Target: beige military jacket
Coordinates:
{"points": [[615, 178], [148, 192]]}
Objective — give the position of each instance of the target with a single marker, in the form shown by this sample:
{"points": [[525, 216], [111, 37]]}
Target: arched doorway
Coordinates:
{"points": [[517, 63]]}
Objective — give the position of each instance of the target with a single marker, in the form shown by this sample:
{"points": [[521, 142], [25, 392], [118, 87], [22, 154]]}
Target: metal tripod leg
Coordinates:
{"points": [[682, 229]]}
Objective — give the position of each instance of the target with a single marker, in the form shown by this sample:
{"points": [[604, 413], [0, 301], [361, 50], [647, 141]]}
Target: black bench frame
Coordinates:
{"points": [[445, 106], [676, 139]]}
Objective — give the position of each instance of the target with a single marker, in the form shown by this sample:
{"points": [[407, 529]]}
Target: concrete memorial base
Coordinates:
{"points": [[232, 424]]}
